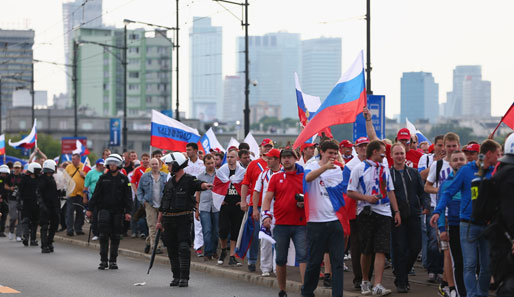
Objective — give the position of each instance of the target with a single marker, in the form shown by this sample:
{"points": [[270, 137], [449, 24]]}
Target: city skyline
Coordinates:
{"points": [[431, 47]]}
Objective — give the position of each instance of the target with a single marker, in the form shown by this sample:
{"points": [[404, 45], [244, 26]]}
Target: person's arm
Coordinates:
{"points": [[128, 199], [431, 178], [266, 205], [244, 193], [429, 188], [312, 175], [41, 153], [197, 212], [358, 196], [255, 200], [396, 210], [453, 187], [158, 225], [140, 192], [370, 130]]}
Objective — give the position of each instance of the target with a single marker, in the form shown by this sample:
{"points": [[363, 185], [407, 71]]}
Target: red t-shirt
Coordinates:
{"points": [[252, 174], [136, 176], [285, 185], [411, 157]]}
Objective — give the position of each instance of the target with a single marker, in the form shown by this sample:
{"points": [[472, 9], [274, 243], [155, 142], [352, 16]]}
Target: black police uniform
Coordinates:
{"points": [[111, 200], [177, 207], [28, 202], [4, 207], [49, 206]]}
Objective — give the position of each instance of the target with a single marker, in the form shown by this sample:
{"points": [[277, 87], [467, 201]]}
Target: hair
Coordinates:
{"points": [[208, 157], [243, 152], [132, 152], [472, 142], [192, 145], [106, 150], [388, 141], [221, 155], [489, 145], [329, 144], [244, 146], [145, 155], [76, 155], [438, 137], [395, 145], [10, 164], [156, 152], [450, 136], [455, 152], [373, 146]]}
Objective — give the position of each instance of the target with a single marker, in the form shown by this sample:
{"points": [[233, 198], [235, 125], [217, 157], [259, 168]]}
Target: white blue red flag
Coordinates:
{"points": [[28, 142], [414, 131], [80, 149], [209, 141], [254, 146], [170, 134], [342, 105], [2, 144]]}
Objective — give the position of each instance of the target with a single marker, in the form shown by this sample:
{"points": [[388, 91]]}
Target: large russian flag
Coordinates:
{"points": [[2, 144], [28, 142], [343, 103], [170, 134], [209, 141]]}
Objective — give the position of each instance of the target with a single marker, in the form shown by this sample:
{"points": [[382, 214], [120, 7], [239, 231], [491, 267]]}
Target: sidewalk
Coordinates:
{"points": [[133, 247]]}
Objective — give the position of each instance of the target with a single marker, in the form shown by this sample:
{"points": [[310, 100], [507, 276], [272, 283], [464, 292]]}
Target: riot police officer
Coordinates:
{"points": [[176, 215], [49, 206], [28, 202], [112, 200], [4, 207]]}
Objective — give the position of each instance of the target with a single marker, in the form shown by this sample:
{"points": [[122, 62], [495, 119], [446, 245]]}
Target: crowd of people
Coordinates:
{"points": [[444, 204]]}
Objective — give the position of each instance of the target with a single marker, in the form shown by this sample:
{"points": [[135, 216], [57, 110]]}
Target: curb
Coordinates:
{"points": [[252, 278]]}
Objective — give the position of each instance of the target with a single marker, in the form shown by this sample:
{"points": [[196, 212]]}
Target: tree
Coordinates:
{"points": [[46, 143]]}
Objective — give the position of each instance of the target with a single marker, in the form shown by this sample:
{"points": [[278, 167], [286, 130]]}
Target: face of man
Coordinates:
{"points": [[217, 161], [126, 157], [457, 161], [113, 167], [346, 151], [133, 156], [232, 158], [155, 164], [209, 164], [308, 152], [379, 155], [438, 147], [471, 156], [273, 163], [414, 143], [405, 143], [17, 170], [145, 161], [200, 155], [398, 155], [100, 167], [329, 155], [75, 160], [288, 162], [361, 150], [265, 149], [106, 154], [424, 147], [245, 160], [491, 158], [191, 152], [451, 146]]}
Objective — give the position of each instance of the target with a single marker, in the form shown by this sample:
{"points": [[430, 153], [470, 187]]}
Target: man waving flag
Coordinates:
{"points": [[343, 103]]}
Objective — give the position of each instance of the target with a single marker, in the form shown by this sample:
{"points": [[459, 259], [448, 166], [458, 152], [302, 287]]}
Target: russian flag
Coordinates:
{"points": [[2, 144], [80, 149], [209, 141], [28, 142], [254, 146], [508, 118], [342, 105], [414, 131], [87, 165], [170, 134]]}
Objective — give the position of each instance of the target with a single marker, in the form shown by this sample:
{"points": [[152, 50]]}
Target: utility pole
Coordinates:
{"points": [[32, 93], [177, 115], [124, 62], [1, 113], [368, 48], [75, 91], [247, 73]]}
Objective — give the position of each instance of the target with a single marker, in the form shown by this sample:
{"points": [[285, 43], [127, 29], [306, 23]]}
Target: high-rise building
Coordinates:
{"points": [[16, 68], [321, 65], [233, 98], [206, 77], [274, 57], [470, 95], [100, 71], [419, 97]]}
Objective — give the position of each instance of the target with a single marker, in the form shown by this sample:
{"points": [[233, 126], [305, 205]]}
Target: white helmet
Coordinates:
{"points": [[49, 166], [5, 169], [34, 168], [508, 150], [178, 161], [114, 159]]}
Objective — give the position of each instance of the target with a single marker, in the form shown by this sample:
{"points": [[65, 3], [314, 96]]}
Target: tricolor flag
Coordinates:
{"points": [[209, 141], [254, 146], [80, 149], [28, 142], [2, 144], [333, 182], [414, 131], [508, 118], [222, 182], [170, 134], [308, 105], [232, 142], [87, 165], [343, 103]]}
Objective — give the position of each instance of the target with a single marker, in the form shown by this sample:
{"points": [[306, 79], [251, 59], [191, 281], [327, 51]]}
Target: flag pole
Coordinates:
{"points": [[501, 120]]}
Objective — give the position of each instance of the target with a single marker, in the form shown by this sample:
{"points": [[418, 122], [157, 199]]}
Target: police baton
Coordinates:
{"points": [[152, 259]]}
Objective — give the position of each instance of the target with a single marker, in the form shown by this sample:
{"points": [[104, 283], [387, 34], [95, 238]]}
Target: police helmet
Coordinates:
{"points": [[49, 166], [5, 169], [509, 151], [34, 168], [177, 160], [114, 159]]}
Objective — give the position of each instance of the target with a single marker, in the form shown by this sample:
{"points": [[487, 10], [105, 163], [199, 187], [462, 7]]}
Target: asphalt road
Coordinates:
{"points": [[72, 271]]}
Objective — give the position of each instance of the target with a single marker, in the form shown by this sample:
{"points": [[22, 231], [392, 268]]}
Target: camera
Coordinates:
{"points": [[298, 197]]}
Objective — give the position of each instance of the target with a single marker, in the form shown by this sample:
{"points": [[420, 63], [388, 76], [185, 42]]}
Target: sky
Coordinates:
{"points": [[406, 35]]}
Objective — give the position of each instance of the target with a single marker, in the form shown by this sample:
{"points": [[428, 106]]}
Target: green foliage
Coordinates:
{"points": [[465, 133], [46, 143]]}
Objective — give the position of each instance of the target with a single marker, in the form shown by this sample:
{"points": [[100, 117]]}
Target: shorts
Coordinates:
{"points": [[374, 233], [283, 235]]}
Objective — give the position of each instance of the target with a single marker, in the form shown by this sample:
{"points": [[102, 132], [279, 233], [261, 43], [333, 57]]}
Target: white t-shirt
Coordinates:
{"points": [[194, 168], [365, 180], [320, 207], [262, 183], [425, 162], [443, 175]]}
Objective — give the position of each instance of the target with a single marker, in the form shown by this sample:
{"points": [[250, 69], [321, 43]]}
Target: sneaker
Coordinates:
{"points": [[251, 267], [366, 288], [147, 249], [95, 238], [103, 265], [221, 259], [453, 293], [113, 265], [387, 264], [345, 268], [34, 243], [234, 262], [327, 281], [265, 274], [199, 252], [2, 234], [11, 236], [379, 290], [45, 250], [443, 291], [402, 289], [69, 234], [412, 272], [51, 248], [347, 257], [158, 251], [25, 242], [282, 294], [142, 236], [183, 283], [432, 278], [18, 239], [133, 235], [174, 282]]}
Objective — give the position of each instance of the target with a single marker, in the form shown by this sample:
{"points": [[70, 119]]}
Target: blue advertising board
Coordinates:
{"points": [[376, 106], [115, 132]]}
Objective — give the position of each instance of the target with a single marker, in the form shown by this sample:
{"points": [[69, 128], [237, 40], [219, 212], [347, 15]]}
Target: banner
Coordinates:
{"points": [[115, 132], [376, 106]]}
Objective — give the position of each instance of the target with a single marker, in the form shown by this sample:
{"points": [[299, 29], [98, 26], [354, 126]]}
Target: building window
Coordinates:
{"points": [[148, 99], [148, 61], [87, 126], [63, 125], [133, 50], [133, 36], [133, 87], [106, 87], [134, 74], [145, 146]]}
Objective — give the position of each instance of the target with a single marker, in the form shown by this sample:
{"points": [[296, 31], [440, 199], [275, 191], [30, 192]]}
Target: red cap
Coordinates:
{"points": [[474, 147], [306, 145], [361, 140], [232, 148], [267, 141], [216, 150], [273, 153], [346, 143], [431, 148], [403, 134]]}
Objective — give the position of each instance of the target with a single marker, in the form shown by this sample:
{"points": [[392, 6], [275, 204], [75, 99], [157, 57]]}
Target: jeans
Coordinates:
{"points": [[424, 239], [435, 259], [456, 252], [14, 217], [406, 246], [210, 231], [254, 248], [471, 242], [74, 223], [322, 237], [283, 235]]}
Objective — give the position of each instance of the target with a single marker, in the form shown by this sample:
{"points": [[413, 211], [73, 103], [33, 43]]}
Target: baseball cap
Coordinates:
{"points": [[306, 145], [346, 143], [431, 148], [17, 164], [100, 161], [403, 134], [233, 147], [361, 140], [215, 150], [474, 147], [273, 153], [288, 152], [267, 141]]}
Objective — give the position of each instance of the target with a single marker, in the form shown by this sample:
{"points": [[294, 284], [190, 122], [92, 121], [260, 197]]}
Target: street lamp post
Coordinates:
{"points": [[124, 62], [368, 47]]}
